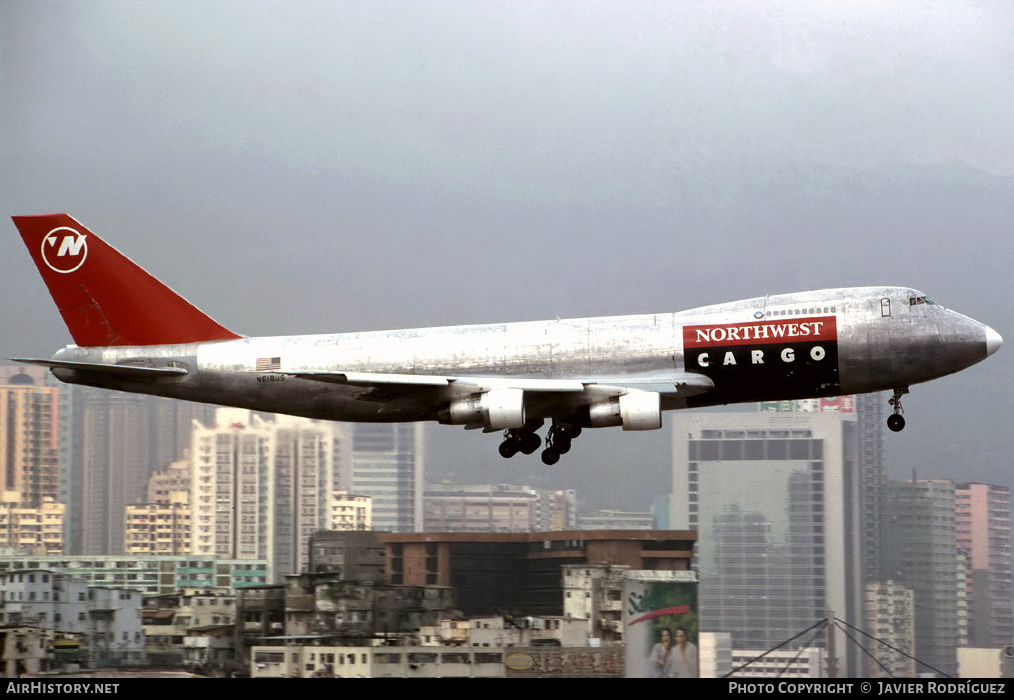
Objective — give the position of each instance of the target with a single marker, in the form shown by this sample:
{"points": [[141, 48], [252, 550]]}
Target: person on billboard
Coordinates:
{"points": [[661, 655], [683, 659]]}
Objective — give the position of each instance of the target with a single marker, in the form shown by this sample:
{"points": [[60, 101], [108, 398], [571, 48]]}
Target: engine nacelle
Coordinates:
{"points": [[499, 409], [636, 410]]}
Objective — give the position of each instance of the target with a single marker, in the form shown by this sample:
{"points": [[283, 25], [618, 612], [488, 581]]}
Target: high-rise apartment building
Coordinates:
{"points": [[867, 410], [304, 488], [89, 449], [115, 465], [557, 510], [774, 499], [922, 552], [162, 524], [174, 477], [261, 487], [111, 443], [890, 619], [159, 528], [59, 432], [29, 438], [388, 464], [351, 512], [171, 424], [33, 529], [611, 519], [498, 508], [983, 533], [872, 483], [232, 487], [480, 508]]}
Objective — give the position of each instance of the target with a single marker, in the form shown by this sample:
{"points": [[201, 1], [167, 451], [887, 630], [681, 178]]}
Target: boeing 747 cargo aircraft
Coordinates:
{"points": [[133, 333]]}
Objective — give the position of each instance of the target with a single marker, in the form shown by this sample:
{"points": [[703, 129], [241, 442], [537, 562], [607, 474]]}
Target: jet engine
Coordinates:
{"points": [[498, 409], [636, 410]]}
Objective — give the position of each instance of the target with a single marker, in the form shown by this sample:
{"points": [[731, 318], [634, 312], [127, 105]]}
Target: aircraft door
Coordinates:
{"points": [[879, 355], [866, 353]]}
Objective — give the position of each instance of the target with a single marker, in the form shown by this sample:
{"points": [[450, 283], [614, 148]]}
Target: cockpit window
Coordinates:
{"points": [[913, 301]]}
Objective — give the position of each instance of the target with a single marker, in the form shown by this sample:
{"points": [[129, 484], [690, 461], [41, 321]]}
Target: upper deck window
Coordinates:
{"points": [[799, 312]]}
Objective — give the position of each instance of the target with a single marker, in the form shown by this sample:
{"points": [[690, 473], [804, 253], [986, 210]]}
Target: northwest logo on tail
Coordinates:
{"points": [[64, 249]]}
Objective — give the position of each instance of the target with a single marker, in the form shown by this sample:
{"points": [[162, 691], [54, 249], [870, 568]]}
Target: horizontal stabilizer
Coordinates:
{"points": [[122, 371]]}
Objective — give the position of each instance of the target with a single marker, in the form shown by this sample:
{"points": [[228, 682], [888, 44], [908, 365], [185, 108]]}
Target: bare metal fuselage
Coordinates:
{"points": [[804, 345]]}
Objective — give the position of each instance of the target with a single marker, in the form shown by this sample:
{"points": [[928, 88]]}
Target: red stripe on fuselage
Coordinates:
{"points": [[781, 331]]}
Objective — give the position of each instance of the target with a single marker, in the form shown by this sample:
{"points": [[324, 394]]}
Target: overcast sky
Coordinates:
{"points": [[304, 167]]}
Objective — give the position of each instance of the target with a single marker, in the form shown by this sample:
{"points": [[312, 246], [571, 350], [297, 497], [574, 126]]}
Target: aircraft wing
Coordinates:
{"points": [[685, 383], [543, 397]]}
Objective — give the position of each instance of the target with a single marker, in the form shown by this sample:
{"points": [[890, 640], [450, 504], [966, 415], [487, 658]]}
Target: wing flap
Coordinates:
{"points": [[367, 378], [685, 383]]}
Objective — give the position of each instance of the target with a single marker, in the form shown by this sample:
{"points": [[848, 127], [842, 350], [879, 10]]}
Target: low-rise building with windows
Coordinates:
{"points": [[150, 575], [106, 620]]}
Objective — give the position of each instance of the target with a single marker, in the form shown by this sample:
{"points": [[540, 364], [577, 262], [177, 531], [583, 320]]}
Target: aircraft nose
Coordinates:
{"points": [[993, 341]]}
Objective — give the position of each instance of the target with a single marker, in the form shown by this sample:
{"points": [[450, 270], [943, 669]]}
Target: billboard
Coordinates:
{"points": [[839, 404], [661, 624], [563, 662]]}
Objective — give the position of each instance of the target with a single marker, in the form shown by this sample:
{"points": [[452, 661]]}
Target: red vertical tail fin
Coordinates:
{"points": [[104, 297]]}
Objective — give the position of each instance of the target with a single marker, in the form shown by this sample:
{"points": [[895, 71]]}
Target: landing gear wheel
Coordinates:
{"points": [[558, 441], [896, 422], [509, 448], [550, 456], [530, 442]]}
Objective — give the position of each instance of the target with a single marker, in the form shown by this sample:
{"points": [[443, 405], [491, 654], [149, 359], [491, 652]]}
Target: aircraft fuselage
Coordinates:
{"points": [[791, 346], [135, 334]]}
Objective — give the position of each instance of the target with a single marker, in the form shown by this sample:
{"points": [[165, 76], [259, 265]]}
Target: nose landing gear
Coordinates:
{"points": [[896, 422]]}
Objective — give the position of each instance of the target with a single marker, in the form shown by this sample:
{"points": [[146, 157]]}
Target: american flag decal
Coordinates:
{"points": [[268, 364]]}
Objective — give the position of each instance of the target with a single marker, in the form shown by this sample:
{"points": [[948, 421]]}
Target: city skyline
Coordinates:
{"points": [[170, 427], [785, 485], [781, 503]]}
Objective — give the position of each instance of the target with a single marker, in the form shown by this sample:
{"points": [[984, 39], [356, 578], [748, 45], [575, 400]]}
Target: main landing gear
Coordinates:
{"points": [[558, 441], [519, 440], [897, 421], [525, 440]]}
